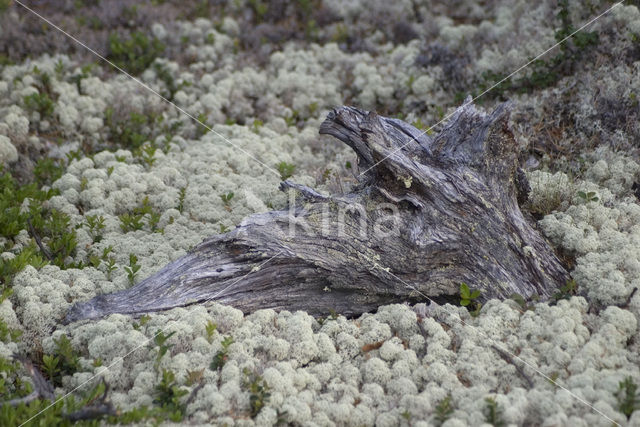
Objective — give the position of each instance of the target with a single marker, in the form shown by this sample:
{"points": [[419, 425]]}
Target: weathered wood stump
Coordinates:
{"points": [[433, 213]]}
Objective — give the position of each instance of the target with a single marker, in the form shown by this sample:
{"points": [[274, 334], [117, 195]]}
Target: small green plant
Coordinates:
{"points": [[40, 102], [194, 377], [4, 5], [589, 196], [257, 124], [50, 366], [522, 302], [132, 269], [419, 124], [53, 228], [468, 298], [222, 355], [96, 226], [94, 261], [286, 170], [168, 395], [226, 199], [466, 295], [258, 392], [444, 409], [210, 328], [134, 221], [292, 119], [47, 170], [110, 266], [7, 334], [223, 228], [164, 74], [70, 360], [181, 196], [133, 130], [9, 268], [144, 319], [628, 397], [169, 130], [131, 222], [326, 174], [64, 361], [493, 413], [73, 155], [406, 415], [580, 39], [11, 384], [410, 81], [566, 291], [148, 153], [340, 34], [139, 414], [63, 241], [201, 126], [134, 54], [161, 341], [85, 72], [260, 8]]}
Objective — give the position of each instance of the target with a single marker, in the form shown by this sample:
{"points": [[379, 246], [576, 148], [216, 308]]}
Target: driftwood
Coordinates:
{"points": [[433, 213]]}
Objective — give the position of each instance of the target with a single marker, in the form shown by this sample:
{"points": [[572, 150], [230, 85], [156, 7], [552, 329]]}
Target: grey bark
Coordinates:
{"points": [[455, 198]]}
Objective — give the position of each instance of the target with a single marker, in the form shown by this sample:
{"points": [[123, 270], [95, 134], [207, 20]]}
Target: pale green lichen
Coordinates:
{"points": [[380, 368]]}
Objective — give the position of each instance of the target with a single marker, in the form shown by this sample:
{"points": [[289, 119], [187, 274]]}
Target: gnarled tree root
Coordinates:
{"points": [[426, 215]]}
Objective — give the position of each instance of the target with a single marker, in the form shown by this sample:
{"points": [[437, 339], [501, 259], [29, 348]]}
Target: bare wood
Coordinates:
{"points": [[36, 237], [457, 219]]}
